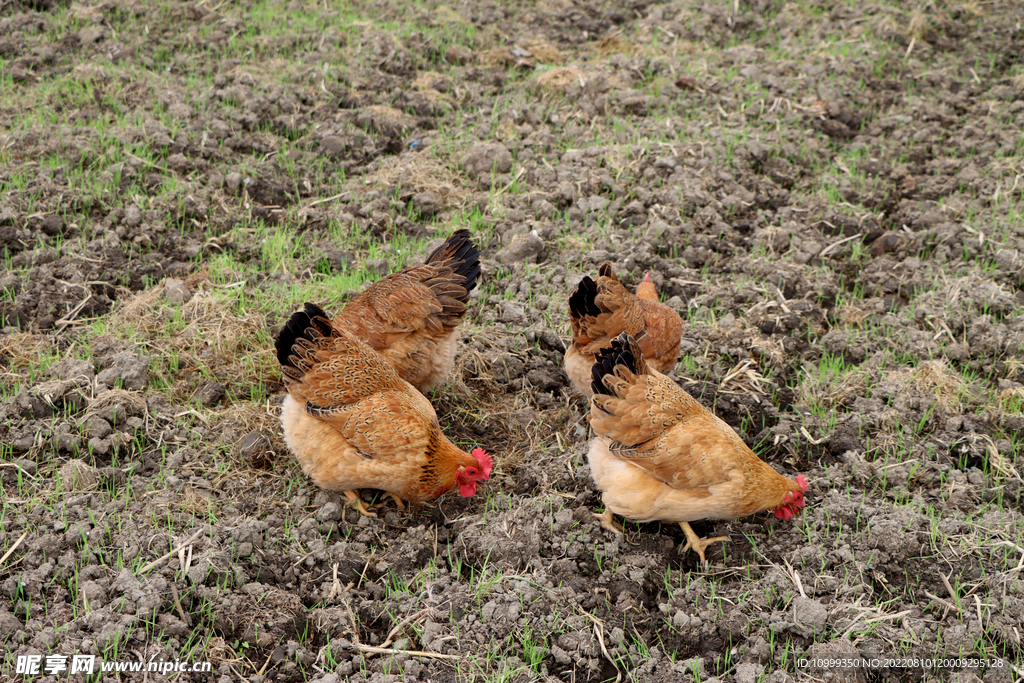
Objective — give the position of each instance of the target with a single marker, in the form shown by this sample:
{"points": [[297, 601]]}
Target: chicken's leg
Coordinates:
{"points": [[608, 521], [354, 498], [398, 501], [696, 542]]}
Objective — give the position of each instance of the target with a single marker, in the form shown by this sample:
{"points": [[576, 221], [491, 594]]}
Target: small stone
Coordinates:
{"points": [[428, 203], [94, 594], [1009, 260], [130, 368], [176, 292], [97, 427], [254, 446], [68, 442], [543, 209], [329, 512], [76, 532], [811, 247], [565, 194], [889, 242], [179, 162], [758, 150], [52, 225], [9, 624], [545, 379], [133, 217], [339, 261], [485, 158], [748, 672], [117, 412], [378, 266], [511, 312], [77, 475], [526, 247], [334, 145], [27, 466], [199, 571], [234, 182], [809, 617], [91, 34], [211, 394], [560, 655], [23, 444]]}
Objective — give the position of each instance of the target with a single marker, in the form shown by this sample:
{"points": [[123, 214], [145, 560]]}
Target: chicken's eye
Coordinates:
{"points": [[471, 471]]}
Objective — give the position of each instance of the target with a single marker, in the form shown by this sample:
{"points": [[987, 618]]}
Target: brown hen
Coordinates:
{"points": [[410, 316], [353, 423], [601, 310], [660, 455]]}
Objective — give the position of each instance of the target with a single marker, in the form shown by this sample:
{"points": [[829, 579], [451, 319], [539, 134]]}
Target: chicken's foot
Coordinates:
{"points": [[607, 520], [398, 501], [697, 543], [354, 498]]}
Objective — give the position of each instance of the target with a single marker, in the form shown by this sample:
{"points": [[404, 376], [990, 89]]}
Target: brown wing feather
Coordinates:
{"points": [[392, 308], [664, 330], [642, 408], [329, 366], [430, 297], [654, 424], [621, 311], [410, 316], [616, 314], [697, 453], [339, 371], [390, 425]]}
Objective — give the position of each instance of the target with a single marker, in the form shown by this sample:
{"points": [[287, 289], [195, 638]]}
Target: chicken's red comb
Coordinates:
{"points": [[486, 463], [647, 276], [802, 482]]}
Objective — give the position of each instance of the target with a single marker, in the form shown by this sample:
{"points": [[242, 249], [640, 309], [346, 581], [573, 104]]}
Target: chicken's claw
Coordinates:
{"points": [[607, 520], [398, 501], [697, 543], [354, 498]]}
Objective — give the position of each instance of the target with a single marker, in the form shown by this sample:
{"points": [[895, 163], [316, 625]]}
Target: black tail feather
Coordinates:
{"points": [[582, 302], [605, 270], [310, 324], [460, 249], [623, 351]]}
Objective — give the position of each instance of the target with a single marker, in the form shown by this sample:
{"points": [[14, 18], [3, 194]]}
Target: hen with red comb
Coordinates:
{"points": [[353, 422], [661, 455]]}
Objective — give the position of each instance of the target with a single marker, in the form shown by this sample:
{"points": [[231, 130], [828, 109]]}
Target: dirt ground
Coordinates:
{"points": [[831, 194]]}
